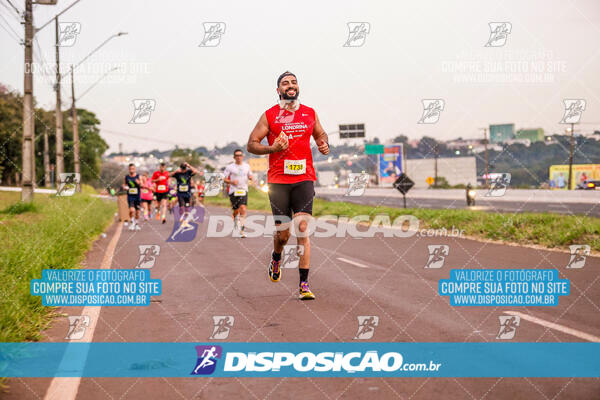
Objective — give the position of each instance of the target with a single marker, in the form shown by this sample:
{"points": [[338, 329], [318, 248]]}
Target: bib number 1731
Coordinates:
{"points": [[294, 167]]}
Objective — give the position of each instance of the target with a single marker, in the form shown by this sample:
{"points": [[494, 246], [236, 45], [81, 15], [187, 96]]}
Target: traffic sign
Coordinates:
{"points": [[403, 184], [374, 149], [351, 131]]}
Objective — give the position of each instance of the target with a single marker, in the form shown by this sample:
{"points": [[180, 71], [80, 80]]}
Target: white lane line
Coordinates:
{"points": [[552, 325], [66, 388], [356, 264]]}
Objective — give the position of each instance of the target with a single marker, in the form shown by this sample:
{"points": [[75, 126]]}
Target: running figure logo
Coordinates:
{"points": [[213, 31], [148, 254], [573, 110], [223, 324], [77, 326], [579, 253], [207, 359], [499, 185], [291, 255], [142, 110], [68, 32], [186, 230], [499, 32], [366, 326], [508, 326], [437, 255], [432, 109], [214, 183], [357, 33], [67, 184], [357, 183]]}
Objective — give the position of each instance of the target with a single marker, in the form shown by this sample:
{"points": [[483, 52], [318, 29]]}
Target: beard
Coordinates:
{"points": [[285, 96]]}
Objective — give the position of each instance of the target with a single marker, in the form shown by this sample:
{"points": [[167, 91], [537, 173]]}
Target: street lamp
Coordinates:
{"points": [[76, 123], [60, 164], [74, 110]]}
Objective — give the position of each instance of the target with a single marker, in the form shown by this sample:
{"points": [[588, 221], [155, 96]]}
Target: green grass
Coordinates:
{"points": [[53, 232], [544, 229], [19, 208]]}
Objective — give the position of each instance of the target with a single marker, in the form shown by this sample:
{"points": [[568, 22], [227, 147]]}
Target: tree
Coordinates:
{"points": [[401, 139], [189, 156], [91, 146], [11, 128]]}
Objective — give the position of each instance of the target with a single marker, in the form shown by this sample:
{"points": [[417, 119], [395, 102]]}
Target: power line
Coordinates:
{"points": [[19, 12], [44, 63], [11, 33], [148, 139]]}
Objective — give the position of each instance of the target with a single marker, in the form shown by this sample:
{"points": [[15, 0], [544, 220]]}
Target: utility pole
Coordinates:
{"points": [[46, 160], [28, 111], [571, 155], [75, 129], [487, 164], [60, 162], [436, 154]]}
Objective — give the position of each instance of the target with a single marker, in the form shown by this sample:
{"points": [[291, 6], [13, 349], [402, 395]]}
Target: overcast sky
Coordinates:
{"points": [[413, 51]]}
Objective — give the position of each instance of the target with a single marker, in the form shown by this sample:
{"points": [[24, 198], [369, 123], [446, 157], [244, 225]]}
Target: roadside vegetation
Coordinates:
{"points": [[49, 233], [543, 229]]}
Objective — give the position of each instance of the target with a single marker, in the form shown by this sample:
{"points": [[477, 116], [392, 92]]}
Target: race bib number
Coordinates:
{"points": [[239, 192], [172, 192], [133, 191], [144, 190], [294, 167], [162, 188], [183, 188]]}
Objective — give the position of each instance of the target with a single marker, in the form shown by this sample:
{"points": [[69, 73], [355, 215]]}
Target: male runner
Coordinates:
{"points": [[161, 179], [237, 174], [288, 127], [183, 175], [132, 185]]}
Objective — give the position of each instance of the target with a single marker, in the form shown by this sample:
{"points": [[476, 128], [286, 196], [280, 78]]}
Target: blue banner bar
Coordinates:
{"points": [[221, 359]]}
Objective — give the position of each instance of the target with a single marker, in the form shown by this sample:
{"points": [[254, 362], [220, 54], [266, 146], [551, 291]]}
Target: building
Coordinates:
{"points": [[502, 132], [533, 134]]}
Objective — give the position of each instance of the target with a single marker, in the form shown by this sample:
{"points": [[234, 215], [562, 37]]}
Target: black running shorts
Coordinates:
{"points": [[291, 198], [185, 199], [161, 196], [237, 201], [133, 202]]}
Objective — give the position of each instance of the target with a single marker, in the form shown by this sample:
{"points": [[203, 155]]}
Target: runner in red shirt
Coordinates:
{"points": [[161, 179], [288, 127]]}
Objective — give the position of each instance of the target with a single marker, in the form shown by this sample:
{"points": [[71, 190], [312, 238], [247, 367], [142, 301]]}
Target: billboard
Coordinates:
{"points": [[501, 133], [390, 164], [559, 175]]}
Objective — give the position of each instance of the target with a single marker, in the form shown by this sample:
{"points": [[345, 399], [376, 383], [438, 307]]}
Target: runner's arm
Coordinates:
{"points": [[260, 131], [321, 138], [194, 170], [226, 175]]}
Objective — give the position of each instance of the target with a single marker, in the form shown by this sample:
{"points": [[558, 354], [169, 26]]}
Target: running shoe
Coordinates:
{"points": [[164, 219], [275, 270], [131, 226], [242, 233], [158, 216], [137, 227], [305, 293]]}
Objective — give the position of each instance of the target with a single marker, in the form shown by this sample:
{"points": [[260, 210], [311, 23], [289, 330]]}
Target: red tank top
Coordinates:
{"points": [[294, 164]]}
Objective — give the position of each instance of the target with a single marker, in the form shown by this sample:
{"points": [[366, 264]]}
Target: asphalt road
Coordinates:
{"points": [[568, 208], [351, 277]]}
